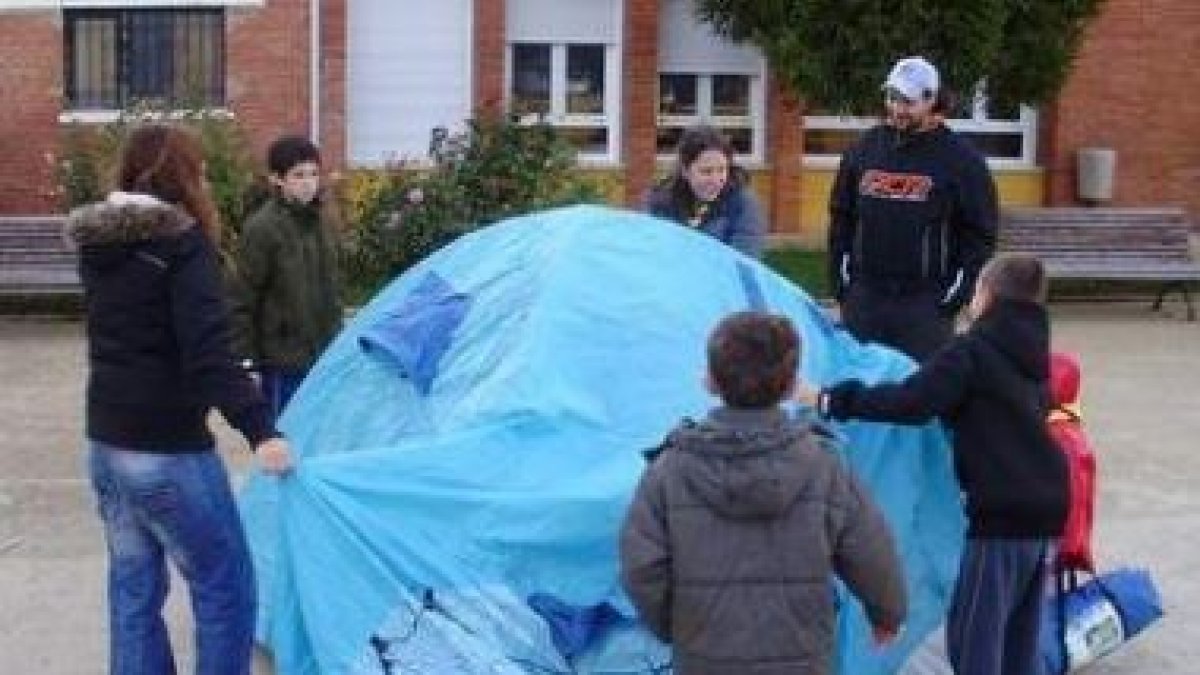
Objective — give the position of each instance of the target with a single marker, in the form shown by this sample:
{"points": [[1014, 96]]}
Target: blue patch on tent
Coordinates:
{"points": [[418, 525], [574, 629], [415, 336]]}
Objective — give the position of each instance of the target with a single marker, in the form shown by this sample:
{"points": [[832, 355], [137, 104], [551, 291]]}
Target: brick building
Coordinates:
{"points": [[371, 78]]}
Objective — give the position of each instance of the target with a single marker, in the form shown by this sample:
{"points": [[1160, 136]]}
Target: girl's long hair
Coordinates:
{"points": [[167, 162]]}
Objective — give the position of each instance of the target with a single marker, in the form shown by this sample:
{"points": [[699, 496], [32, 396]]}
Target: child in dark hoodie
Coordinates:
{"points": [[989, 386], [740, 521]]}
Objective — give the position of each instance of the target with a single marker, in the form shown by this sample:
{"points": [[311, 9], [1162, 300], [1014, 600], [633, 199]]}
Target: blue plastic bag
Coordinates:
{"points": [[1085, 622]]}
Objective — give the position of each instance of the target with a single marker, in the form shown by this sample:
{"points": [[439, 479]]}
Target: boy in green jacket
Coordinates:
{"points": [[285, 301]]}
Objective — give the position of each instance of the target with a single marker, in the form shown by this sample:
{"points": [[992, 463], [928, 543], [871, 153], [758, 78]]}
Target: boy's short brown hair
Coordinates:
{"points": [[1015, 276], [752, 359]]}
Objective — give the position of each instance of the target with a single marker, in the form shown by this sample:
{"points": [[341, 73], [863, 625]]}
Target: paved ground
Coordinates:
{"points": [[1142, 390]]}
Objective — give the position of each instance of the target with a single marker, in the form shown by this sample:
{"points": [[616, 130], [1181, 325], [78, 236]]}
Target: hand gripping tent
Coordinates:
{"points": [[469, 444]]}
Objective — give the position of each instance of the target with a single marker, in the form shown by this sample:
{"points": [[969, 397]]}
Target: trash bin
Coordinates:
{"points": [[1096, 172]]}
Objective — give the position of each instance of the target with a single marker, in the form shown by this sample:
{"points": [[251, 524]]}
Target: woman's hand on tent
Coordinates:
{"points": [[274, 456], [805, 394]]}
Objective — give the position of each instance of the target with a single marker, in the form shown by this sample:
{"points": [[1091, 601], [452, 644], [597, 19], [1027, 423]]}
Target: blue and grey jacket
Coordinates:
{"points": [[734, 217]]}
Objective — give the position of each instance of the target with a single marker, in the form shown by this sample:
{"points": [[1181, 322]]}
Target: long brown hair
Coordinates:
{"points": [[167, 162]]}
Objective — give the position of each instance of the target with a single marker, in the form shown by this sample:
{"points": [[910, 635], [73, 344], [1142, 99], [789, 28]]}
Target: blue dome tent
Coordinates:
{"points": [[469, 443]]}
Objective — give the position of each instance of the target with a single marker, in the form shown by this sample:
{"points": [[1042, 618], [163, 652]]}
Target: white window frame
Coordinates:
{"points": [[558, 115], [1026, 125], [613, 81], [756, 120]]}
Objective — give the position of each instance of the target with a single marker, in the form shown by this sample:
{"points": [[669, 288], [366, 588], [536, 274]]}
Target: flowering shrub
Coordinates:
{"points": [[492, 170]]}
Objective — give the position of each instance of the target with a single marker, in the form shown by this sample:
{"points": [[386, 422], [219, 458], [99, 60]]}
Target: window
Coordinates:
{"points": [[728, 102], [116, 57], [706, 79], [1007, 137], [564, 69], [566, 85]]}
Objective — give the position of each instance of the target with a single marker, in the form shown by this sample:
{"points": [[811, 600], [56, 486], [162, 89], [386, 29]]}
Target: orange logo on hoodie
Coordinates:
{"points": [[909, 187]]}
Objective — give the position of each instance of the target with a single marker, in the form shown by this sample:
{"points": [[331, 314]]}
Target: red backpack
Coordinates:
{"points": [[1075, 547]]}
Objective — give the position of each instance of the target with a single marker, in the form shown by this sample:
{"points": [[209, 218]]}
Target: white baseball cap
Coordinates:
{"points": [[914, 78]]}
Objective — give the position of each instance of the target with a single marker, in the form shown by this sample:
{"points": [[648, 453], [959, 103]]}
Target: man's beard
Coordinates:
{"points": [[905, 123]]}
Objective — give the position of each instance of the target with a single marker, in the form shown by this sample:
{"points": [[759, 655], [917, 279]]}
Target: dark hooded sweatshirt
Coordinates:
{"points": [[910, 213], [159, 351], [989, 386], [730, 546]]}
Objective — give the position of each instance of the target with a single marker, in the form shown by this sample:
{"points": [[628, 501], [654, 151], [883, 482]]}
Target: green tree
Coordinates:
{"points": [[836, 52]]}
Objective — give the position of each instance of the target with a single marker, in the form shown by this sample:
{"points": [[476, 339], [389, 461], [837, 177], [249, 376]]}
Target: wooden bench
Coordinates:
{"points": [[1108, 244], [35, 258]]}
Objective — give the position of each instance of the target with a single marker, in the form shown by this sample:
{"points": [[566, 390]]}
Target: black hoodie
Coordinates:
{"points": [[913, 212], [990, 387], [731, 543], [159, 350]]}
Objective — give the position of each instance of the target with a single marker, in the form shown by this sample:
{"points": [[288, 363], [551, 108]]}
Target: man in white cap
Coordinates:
{"points": [[912, 219]]}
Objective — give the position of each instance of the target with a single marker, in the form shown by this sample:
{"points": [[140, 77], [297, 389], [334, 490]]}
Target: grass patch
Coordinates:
{"points": [[805, 268]]}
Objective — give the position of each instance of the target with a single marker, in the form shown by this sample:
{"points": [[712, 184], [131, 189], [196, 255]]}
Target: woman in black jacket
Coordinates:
{"points": [[709, 193], [159, 359]]}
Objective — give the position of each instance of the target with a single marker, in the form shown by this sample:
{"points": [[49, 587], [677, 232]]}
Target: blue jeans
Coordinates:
{"points": [[996, 612], [157, 506]]}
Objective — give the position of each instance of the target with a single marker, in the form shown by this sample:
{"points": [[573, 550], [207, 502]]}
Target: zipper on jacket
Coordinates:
{"points": [[925, 253], [945, 246], [857, 255]]}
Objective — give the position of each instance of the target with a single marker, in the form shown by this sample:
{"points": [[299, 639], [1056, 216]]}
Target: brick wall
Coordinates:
{"points": [[785, 148], [268, 69], [640, 95], [333, 82], [267, 63], [30, 80], [1134, 89], [488, 72]]}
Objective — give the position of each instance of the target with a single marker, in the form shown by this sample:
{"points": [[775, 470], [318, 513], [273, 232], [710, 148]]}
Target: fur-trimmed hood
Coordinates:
{"points": [[126, 218]]}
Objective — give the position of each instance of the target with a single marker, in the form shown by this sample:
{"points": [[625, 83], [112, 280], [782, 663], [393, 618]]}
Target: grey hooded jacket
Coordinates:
{"points": [[732, 541]]}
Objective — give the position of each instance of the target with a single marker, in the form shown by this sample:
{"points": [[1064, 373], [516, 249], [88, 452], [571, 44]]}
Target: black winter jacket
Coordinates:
{"points": [[159, 352], [990, 387], [910, 213]]}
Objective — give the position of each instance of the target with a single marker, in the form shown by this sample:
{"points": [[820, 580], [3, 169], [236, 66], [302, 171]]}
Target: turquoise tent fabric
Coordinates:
{"points": [[434, 500]]}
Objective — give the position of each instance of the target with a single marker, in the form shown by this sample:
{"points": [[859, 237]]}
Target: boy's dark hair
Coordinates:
{"points": [[1015, 276], [288, 151], [752, 359]]}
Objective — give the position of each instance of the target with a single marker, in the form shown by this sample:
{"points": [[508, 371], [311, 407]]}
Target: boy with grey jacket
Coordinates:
{"points": [[729, 548]]}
